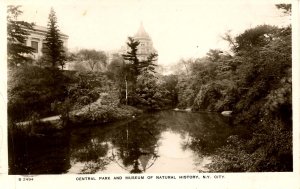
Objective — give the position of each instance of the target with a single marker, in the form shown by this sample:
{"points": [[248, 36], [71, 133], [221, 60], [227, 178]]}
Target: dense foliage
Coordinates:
{"points": [[17, 31], [33, 89], [87, 87], [40, 90], [255, 82], [155, 92]]}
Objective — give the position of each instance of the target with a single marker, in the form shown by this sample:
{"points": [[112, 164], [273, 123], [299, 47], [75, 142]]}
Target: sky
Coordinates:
{"points": [[178, 28]]}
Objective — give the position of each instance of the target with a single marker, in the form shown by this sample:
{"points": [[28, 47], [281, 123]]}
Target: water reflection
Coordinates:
{"points": [[92, 156], [135, 145], [31, 155], [166, 141]]}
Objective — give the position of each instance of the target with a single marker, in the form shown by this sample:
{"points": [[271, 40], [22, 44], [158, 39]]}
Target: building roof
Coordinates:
{"points": [[141, 33], [41, 28], [44, 29]]}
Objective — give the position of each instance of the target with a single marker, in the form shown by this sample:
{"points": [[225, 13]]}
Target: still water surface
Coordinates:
{"points": [[166, 141]]}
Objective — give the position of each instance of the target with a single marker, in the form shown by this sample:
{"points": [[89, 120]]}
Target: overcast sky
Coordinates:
{"points": [[179, 28]]}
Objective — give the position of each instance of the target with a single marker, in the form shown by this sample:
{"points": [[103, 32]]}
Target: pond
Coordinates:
{"points": [[161, 142]]}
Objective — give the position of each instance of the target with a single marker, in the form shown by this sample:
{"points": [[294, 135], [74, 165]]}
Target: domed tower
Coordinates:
{"points": [[145, 47]]}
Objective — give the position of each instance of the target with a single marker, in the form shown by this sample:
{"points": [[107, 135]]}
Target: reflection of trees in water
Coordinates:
{"points": [[211, 136], [206, 131], [93, 155], [91, 167], [136, 144], [133, 145], [39, 154], [91, 151], [88, 146]]}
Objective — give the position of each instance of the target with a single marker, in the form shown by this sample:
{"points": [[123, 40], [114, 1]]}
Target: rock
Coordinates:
{"points": [[226, 113], [176, 109], [188, 109]]}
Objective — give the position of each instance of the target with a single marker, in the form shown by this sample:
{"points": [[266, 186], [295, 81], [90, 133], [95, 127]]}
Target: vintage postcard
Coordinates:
{"points": [[143, 94]]}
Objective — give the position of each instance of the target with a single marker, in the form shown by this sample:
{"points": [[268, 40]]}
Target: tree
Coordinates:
{"points": [[287, 8], [135, 69], [214, 54], [54, 45], [17, 31], [256, 37], [33, 89], [149, 65], [168, 84], [93, 58], [132, 59], [135, 65], [131, 66], [230, 39], [114, 68]]}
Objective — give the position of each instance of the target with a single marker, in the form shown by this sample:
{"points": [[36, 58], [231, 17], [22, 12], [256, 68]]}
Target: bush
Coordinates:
{"points": [[87, 88], [207, 97], [33, 89]]}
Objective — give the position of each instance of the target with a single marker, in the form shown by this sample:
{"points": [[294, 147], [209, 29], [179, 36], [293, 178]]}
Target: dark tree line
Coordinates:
{"points": [[254, 80]]}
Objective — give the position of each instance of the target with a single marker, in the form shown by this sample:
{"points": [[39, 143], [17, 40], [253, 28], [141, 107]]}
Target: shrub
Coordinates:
{"points": [[33, 89]]}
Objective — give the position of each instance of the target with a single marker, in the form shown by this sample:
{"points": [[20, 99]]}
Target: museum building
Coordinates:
{"points": [[145, 47], [36, 40]]}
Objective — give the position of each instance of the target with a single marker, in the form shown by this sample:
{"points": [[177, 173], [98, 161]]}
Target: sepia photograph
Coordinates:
{"points": [[142, 87]]}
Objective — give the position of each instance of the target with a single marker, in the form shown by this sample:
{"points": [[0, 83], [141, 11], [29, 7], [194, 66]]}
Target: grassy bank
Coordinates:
{"points": [[104, 110]]}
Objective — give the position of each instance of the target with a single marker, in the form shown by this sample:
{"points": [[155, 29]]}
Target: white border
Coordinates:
{"points": [[231, 180]]}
